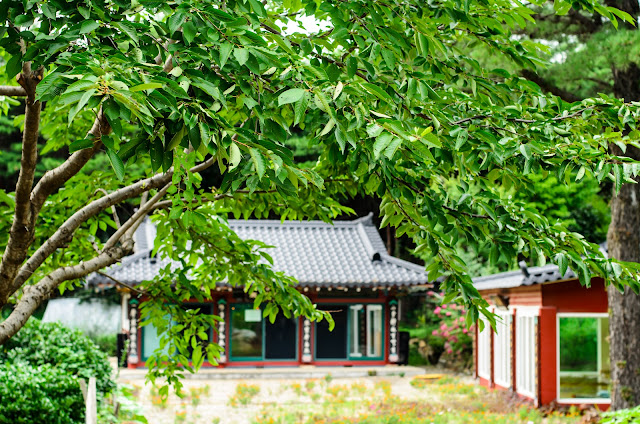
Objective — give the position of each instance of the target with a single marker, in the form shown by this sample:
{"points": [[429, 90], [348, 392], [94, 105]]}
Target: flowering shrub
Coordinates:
{"points": [[452, 331]]}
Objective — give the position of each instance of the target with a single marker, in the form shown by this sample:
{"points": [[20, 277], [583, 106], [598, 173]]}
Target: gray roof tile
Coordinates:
{"points": [[347, 253], [524, 277]]}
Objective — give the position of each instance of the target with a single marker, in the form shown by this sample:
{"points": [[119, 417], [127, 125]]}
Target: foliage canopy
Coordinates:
{"points": [[385, 89]]}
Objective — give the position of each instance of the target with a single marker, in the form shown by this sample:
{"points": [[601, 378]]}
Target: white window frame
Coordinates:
{"points": [[577, 315], [484, 350], [525, 351], [502, 348], [355, 342], [374, 318]]}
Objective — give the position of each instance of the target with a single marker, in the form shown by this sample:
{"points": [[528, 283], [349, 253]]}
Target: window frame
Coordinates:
{"points": [[485, 334], [575, 315], [526, 365], [263, 323], [350, 323], [502, 344], [213, 310]]}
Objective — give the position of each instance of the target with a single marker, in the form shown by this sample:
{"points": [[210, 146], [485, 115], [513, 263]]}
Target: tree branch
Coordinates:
{"points": [[12, 90], [52, 180], [134, 221], [41, 291], [21, 233], [66, 230], [120, 283]]}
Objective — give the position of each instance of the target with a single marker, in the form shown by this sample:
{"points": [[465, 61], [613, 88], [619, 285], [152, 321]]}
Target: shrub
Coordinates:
{"points": [[106, 343], [622, 416], [68, 351], [39, 394]]}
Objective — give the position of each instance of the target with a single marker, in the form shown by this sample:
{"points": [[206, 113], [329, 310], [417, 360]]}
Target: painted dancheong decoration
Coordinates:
{"points": [[551, 340], [343, 268]]}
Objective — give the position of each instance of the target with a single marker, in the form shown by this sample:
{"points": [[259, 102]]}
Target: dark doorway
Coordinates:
{"points": [[332, 344], [280, 338]]}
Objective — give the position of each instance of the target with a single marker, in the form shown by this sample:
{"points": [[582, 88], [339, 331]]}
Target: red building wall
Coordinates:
{"points": [[552, 298]]}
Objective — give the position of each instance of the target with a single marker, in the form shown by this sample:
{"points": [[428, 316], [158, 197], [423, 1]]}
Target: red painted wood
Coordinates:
{"points": [[548, 355], [570, 296], [387, 335]]}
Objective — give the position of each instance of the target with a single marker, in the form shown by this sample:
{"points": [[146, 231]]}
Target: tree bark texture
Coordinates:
{"points": [[623, 242]]}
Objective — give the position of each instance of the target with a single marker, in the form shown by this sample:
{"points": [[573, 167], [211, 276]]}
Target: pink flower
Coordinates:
{"points": [[454, 339], [449, 351], [444, 306], [465, 331], [434, 332], [448, 313], [446, 334], [443, 327], [461, 319], [431, 293], [437, 310]]}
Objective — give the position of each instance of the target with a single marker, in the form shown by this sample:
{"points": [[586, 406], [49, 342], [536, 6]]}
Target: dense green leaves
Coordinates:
{"points": [[392, 102]]}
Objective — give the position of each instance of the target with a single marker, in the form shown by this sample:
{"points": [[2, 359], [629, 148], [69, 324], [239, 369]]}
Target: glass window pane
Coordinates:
{"points": [[280, 338], [246, 333], [332, 344], [584, 357]]}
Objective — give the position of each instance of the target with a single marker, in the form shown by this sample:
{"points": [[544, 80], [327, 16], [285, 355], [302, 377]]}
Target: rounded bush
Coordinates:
{"points": [[67, 351], [39, 394]]}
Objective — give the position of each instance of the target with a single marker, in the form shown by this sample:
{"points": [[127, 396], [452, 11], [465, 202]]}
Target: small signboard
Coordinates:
{"points": [[252, 315]]}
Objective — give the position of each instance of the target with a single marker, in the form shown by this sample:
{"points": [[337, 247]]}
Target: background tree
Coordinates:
{"points": [[395, 107], [591, 55]]}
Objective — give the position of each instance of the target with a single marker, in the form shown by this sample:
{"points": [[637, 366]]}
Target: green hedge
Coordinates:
{"points": [[70, 351], [39, 371], [39, 394]]}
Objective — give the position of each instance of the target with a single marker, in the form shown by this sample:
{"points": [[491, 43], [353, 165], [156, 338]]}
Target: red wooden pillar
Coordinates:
{"points": [[548, 361]]}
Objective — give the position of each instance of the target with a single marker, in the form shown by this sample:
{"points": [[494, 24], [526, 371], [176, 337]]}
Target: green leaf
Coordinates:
{"points": [[81, 103], [85, 143], [241, 55], [381, 143], [300, 108], [258, 161], [177, 138], [116, 163], [327, 128], [14, 66], [146, 86], [128, 29], [208, 88], [175, 21], [225, 51], [234, 156], [290, 96], [189, 32], [88, 26], [378, 92]]}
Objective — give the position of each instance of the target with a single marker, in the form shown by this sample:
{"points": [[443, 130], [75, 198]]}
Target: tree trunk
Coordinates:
{"points": [[623, 242]]}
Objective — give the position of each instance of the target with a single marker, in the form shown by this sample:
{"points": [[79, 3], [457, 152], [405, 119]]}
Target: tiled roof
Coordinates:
{"points": [[347, 253], [524, 277]]}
